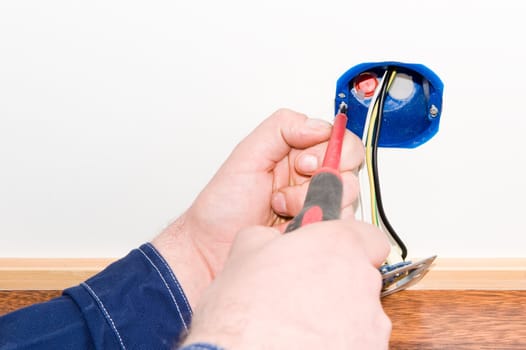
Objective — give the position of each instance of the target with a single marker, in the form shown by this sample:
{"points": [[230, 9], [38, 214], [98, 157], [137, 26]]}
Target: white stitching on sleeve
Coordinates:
{"points": [[105, 312], [202, 347], [167, 287], [173, 277]]}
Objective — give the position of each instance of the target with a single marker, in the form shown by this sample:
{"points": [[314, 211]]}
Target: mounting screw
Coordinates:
{"points": [[341, 95], [433, 111]]}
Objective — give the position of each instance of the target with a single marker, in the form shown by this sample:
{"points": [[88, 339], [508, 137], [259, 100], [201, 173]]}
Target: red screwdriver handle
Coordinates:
{"points": [[324, 195], [323, 201], [334, 148]]}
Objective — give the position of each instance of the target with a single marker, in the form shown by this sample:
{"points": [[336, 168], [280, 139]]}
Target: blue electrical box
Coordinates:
{"points": [[412, 109]]}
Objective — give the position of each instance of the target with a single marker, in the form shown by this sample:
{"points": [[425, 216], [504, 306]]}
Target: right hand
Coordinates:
{"points": [[316, 288]]}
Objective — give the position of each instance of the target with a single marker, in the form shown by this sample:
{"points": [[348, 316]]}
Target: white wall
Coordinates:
{"points": [[101, 102]]}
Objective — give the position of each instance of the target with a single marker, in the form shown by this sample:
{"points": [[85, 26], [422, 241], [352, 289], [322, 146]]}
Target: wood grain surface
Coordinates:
{"points": [[422, 319], [457, 320], [14, 300]]}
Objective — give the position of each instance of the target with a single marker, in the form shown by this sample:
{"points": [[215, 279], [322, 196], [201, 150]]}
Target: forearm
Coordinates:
{"points": [[177, 247]]}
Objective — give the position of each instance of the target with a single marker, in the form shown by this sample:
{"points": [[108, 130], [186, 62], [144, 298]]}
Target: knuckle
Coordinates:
{"points": [[358, 147], [379, 246], [242, 235], [285, 113], [354, 148], [385, 247], [351, 187], [280, 112]]}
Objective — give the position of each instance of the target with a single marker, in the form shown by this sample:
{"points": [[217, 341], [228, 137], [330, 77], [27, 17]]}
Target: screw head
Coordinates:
{"points": [[433, 111]]}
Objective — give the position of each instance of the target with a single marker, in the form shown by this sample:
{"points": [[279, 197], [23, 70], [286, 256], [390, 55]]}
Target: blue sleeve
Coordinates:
{"points": [[135, 303]]}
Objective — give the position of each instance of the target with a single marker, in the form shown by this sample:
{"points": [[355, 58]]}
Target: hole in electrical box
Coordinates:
{"points": [[402, 87], [365, 84]]}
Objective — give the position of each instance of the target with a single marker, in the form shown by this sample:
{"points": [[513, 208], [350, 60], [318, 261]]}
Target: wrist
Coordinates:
{"points": [[176, 246], [239, 324], [257, 337], [224, 332]]}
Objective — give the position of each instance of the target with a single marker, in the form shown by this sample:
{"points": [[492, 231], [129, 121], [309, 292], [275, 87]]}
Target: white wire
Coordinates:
{"points": [[364, 199], [374, 99], [395, 255]]}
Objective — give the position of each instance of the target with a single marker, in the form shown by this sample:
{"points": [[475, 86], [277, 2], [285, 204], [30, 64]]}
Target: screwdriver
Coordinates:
{"points": [[324, 195]]}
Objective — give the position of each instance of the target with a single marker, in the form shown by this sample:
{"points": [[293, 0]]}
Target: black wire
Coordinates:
{"points": [[374, 146]]}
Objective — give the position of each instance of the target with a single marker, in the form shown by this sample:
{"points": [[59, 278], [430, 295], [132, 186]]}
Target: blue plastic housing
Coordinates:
{"points": [[406, 123]]}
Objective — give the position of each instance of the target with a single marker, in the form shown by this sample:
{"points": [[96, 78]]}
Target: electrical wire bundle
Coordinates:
{"points": [[370, 194]]}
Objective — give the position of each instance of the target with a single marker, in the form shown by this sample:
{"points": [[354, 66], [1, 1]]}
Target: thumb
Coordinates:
{"points": [[273, 139]]}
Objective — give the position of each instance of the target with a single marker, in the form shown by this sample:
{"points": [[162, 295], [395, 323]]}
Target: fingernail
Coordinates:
{"points": [[317, 124], [278, 203], [308, 163]]}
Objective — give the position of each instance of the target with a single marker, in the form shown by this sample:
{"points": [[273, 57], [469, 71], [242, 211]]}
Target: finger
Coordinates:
{"points": [[347, 212], [311, 159], [351, 188], [354, 236], [376, 244], [273, 139], [353, 152], [288, 201]]}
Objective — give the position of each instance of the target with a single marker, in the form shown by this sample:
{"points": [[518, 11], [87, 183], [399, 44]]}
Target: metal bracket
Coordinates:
{"points": [[405, 276]]}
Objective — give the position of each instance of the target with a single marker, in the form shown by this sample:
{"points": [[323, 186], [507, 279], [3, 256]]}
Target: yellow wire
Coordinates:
{"points": [[368, 157]]}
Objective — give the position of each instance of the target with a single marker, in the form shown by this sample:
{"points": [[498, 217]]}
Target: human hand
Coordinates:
{"points": [[263, 182], [315, 288]]}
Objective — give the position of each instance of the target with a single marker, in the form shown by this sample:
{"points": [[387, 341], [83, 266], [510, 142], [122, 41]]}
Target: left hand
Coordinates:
{"points": [[263, 182]]}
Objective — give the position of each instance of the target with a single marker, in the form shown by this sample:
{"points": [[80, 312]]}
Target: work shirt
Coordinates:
{"points": [[135, 303]]}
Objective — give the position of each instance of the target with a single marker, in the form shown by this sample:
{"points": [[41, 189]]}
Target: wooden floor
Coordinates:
{"points": [[448, 319], [422, 319]]}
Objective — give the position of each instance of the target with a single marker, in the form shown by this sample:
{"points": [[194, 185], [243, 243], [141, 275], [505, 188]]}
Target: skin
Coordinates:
{"points": [[315, 288], [238, 269], [263, 182]]}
